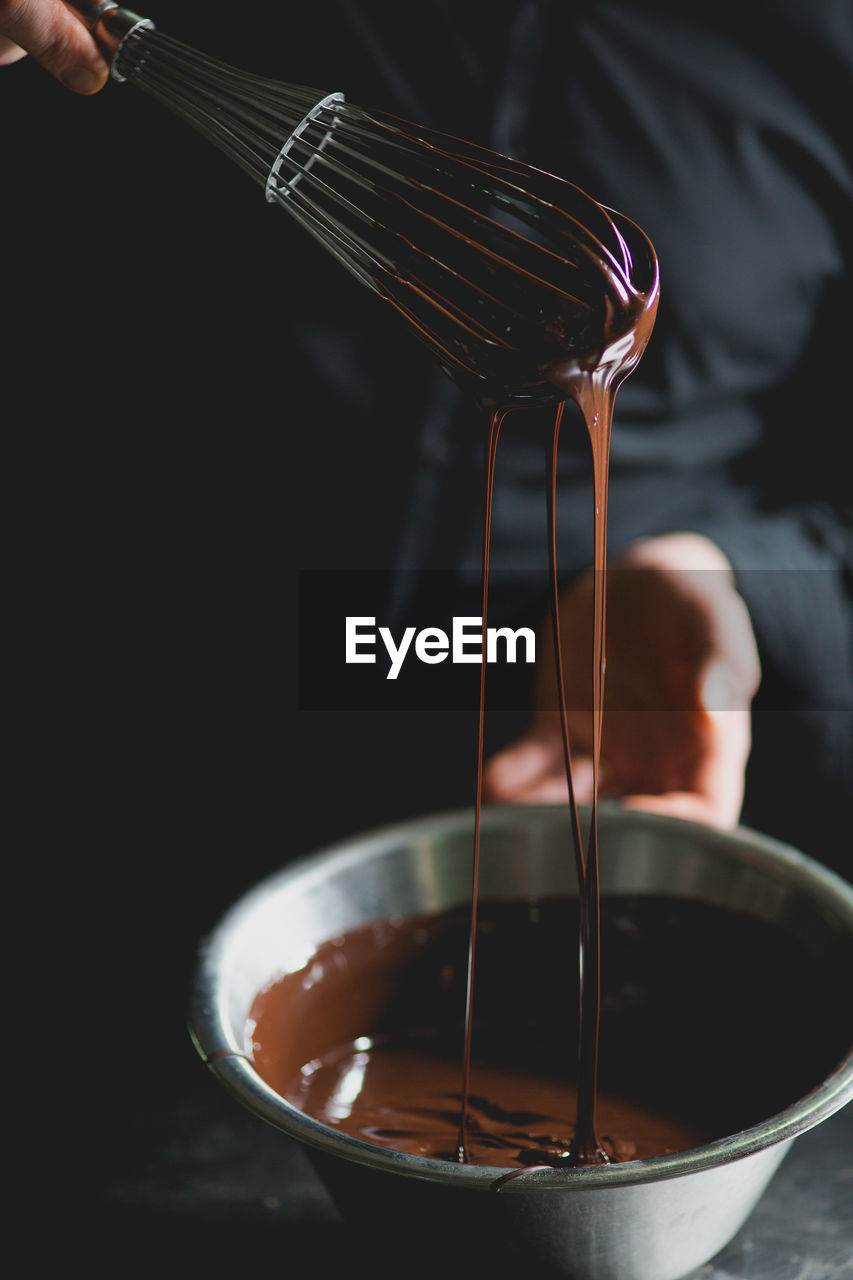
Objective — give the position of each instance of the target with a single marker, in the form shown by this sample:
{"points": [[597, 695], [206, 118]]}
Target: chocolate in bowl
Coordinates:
{"points": [[637, 1219]]}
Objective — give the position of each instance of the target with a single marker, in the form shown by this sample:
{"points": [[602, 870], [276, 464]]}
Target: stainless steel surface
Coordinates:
{"points": [[642, 1220]]}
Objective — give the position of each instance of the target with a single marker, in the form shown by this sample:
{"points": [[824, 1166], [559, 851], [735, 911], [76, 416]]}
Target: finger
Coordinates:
{"points": [[553, 786], [523, 765], [691, 805], [723, 774], [10, 52], [583, 779], [57, 41], [552, 789]]}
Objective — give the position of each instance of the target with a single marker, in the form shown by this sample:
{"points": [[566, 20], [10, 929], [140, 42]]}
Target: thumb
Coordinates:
{"points": [[57, 40]]}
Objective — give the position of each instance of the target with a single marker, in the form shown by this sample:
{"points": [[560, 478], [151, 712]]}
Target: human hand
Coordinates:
{"points": [[682, 669], [56, 40]]}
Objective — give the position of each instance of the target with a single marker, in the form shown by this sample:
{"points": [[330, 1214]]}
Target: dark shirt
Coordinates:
{"points": [[727, 141], [730, 144]]}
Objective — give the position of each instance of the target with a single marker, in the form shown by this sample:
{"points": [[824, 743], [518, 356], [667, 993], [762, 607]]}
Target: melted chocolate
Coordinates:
{"points": [[528, 291], [366, 1037], [576, 335], [590, 369]]}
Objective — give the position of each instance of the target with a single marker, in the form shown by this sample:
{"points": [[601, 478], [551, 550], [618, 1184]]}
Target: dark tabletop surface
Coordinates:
{"points": [[194, 1176]]}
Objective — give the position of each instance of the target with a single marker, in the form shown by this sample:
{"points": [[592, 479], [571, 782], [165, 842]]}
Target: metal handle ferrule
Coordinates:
{"points": [[110, 26]]}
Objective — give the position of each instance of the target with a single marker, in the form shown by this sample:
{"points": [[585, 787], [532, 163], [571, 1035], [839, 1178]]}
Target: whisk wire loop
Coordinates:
{"points": [[503, 270], [276, 189]]}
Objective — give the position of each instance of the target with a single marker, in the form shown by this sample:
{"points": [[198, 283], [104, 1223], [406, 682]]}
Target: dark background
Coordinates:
{"points": [[168, 480]]}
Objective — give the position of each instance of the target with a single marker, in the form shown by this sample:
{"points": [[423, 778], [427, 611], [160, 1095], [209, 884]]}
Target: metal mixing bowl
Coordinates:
{"points": [[654, 1219]]}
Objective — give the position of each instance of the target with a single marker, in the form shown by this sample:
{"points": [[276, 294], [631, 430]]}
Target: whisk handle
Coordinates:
{"points": [[109, 24]]}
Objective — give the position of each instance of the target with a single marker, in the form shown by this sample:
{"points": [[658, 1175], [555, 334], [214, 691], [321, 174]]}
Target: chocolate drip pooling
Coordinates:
{"points": [[591, 376], [365, 1037], [556, 302]]}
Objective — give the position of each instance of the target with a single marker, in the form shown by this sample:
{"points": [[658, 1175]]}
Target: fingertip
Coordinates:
{"points": [[500, 778], [10, 52], [523, 764], [85, 80]]}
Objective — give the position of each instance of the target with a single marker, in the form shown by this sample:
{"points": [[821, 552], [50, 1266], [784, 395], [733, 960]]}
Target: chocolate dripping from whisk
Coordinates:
{"points": [[520, 284], [512, 277]]}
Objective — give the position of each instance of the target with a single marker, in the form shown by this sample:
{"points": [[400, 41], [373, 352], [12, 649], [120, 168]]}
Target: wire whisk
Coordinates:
{"points": [[514, 278]]}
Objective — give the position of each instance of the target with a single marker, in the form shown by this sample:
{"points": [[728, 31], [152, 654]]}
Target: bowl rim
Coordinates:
{"points": [[211, 1034]]}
